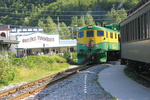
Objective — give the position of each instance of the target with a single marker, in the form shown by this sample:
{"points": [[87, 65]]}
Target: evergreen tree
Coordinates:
{"points": [[74, 24], [26, 22], [64, 32], [34, 9], [122, 14], [81, 22], [117, 16], [51, 27], [89, 19], [41, 23], [74, 21]]}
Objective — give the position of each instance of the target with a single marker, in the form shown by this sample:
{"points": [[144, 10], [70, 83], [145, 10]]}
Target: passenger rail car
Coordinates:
{"points": [[135, 37], [96, 43]]}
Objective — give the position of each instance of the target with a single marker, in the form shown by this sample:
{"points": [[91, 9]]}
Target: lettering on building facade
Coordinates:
{"points": [[38, 38]]}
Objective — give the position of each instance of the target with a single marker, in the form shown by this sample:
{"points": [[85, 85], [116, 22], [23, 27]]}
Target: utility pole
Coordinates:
{"points": [[72, 33], [44, 48], [58, 22]]}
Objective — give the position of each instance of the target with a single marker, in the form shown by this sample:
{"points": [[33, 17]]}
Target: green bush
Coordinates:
{"points": [[67, 54], [37, 61], [7, 72], [74, 55], [8, 66], [59, 59]]}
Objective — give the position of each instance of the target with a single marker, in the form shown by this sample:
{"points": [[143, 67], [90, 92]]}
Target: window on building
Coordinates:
{"points": [[100, 33], [72, 49], [3, 35], [29, 51], [46, 50], [90, 33], [81, 34]]}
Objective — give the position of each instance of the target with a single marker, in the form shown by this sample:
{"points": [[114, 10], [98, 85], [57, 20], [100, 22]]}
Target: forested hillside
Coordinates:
{"points": [[48, 13]]}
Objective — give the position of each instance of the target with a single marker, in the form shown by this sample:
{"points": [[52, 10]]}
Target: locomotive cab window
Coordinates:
{"points": [[100, 33], [81, 34], [90, 33]]}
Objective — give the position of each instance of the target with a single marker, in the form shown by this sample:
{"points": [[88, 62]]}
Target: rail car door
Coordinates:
{"points": [[119, 38]]}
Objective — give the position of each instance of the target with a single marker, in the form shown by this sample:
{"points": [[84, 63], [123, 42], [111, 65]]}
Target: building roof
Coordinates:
{"points": [[26, 30], [70, 41], [4, 40], [4, 27]]}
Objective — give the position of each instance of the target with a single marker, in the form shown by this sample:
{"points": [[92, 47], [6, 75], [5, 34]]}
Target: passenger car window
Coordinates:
{"points": [[90, 33], [106, 34], [111, 35], [81, 34], [115, 36], [100, 33]]}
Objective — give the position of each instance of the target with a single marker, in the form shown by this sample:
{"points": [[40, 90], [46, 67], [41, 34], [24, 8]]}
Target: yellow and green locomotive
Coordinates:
{"points": [[98, 43]]}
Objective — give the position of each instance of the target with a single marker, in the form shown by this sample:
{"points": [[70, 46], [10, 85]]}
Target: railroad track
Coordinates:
{"points": [[53, 79], [145, 77]]}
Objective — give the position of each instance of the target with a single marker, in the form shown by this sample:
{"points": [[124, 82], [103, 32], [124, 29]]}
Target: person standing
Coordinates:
{"points": [[42, 53], [38, 54]]}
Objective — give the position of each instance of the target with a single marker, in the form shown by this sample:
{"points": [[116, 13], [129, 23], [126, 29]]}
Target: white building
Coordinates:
{"points": [[35, 40]]}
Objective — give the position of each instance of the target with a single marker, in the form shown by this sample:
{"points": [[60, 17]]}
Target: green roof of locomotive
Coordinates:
{"points": [[99, 27]]}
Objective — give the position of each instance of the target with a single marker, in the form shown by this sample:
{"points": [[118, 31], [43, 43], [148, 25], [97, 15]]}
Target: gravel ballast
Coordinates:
{"points": [[81, 86]]}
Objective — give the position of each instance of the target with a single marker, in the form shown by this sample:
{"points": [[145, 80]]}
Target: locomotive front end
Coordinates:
{"points": [[89, 48]]}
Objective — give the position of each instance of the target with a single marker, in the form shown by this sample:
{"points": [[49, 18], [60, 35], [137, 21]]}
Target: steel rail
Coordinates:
{"points": [[35, 82], [146, 78], [31, 92], [141, 75]]}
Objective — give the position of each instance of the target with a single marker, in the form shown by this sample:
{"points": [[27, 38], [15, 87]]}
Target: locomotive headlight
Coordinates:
{"points": [[90, 26]]}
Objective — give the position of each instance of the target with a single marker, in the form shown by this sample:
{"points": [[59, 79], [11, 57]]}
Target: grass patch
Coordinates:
{"points": [[114, 98], [73, 62], [136, 77], [105, 93], [95, 79], [29, 75], [130, 73], [29, 69]]}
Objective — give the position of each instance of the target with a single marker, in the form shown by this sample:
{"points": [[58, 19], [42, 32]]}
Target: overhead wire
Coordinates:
{"points": [[50, 10], [54, 15], [54, 19]]}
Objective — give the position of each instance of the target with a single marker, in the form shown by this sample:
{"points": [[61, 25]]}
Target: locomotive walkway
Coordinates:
{"points": [[115, 82]]}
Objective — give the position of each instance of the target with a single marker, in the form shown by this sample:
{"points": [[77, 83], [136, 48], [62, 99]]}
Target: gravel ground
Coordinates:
{"points": [[11, 86], [81, 86]]}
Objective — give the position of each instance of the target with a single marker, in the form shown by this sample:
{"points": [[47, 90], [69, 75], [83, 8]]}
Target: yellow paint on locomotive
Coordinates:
{"points": [[99, 39], [134, 51]]}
